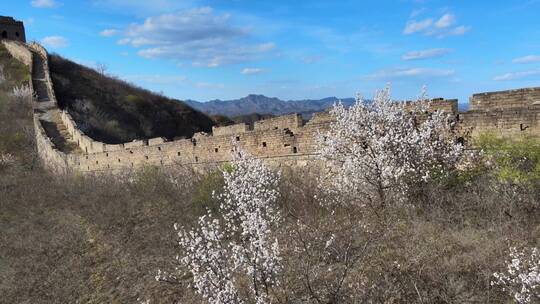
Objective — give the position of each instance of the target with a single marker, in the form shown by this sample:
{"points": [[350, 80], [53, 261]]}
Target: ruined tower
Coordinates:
{"points": [[12, 29]]}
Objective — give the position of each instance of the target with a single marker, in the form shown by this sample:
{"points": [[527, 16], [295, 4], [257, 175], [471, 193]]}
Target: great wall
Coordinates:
{"points": [[281, 141]]}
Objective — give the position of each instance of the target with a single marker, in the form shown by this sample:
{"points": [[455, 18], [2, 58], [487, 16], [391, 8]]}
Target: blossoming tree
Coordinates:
{"points": [[237, 248], [378, 148]]}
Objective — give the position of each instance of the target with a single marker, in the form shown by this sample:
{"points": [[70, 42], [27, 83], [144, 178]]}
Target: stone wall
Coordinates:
{"points": [[53, 159], [281, 140], [230, 130], [449, 106], [505, 99], [202, 149], [39, 50], [291, 122], [502, 122], [19, 51]]}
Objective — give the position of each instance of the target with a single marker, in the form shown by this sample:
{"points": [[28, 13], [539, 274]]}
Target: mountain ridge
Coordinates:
{"points": [[261, 104]]}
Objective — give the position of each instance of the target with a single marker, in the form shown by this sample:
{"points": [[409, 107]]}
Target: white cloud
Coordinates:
{"points": [[43, 3], [517, 75], [410, 73], [527, 59], [108, 32], [441, 27], [198, 36], [445, 21], [55, 42], [414, 26], [251, 71], [424, 54], [457, 31]]}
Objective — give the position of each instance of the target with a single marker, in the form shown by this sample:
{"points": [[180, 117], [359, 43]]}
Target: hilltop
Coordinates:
{"points": [[113, 111]]}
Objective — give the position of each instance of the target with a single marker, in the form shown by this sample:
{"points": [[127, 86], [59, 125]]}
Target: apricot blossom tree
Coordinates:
{"points": [[377, 148], [238, 247]]}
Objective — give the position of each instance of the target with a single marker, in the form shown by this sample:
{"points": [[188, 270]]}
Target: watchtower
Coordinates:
{"points": [[12, 29]]}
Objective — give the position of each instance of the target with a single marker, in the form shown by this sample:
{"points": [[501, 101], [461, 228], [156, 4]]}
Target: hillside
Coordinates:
{"points": [[113, 111], [102, 239], [265, 105]]}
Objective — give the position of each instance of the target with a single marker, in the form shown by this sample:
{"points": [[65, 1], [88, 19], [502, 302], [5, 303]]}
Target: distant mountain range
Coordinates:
{"points": [[265, 105], [261, 104]]}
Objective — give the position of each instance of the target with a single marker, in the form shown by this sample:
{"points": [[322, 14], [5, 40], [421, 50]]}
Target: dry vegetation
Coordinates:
{"points": [[76, 239]]}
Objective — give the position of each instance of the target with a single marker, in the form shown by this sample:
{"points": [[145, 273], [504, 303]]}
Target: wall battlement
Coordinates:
{"points": [[12, 29], [520, 98], [281, 141]]}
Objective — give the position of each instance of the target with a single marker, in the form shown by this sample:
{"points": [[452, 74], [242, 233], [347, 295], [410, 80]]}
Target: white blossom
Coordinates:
{"points": [[522, 276], [22, 93], [377, 148], [221, 252]]}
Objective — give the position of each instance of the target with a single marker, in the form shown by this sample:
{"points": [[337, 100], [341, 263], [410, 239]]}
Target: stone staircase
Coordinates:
{"points": [[58, 133], [38, 78], [49, 113]]}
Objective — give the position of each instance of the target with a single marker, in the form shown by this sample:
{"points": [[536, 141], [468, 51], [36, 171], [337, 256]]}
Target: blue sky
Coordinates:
{"points": [[212, 49]]}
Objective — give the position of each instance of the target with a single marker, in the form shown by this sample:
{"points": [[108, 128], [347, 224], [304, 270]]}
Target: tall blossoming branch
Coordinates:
{"points": [[238, 247], [377, 147]]}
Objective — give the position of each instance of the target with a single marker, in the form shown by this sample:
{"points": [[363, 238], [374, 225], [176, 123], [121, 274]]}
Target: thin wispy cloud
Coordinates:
{"points": [[527, 59], [143, 7], [441, 27], [410, 73], [425, 54], [109, 32], [55, 42], [252, 71], [44, 3], [518, 75], [199, 36]]}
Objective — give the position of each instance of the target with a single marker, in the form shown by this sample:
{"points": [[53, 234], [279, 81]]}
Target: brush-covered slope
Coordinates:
{"points": [[113, 111]]}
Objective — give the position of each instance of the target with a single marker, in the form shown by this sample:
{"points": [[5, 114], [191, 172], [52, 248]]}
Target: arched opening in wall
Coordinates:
{"points": [[264, 144], [4, 35], [216, 150], [294, 150], [17, 34], [461, 141]]}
